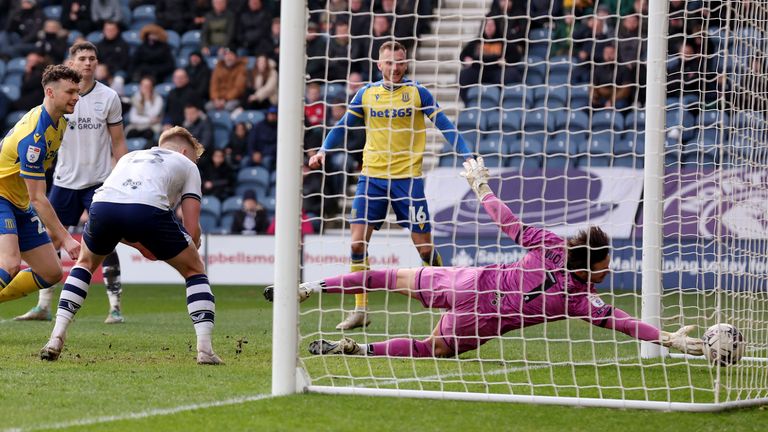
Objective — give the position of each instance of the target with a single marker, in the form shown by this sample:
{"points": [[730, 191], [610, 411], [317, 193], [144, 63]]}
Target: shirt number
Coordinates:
{"points": [[40, 227], [418, 216]]}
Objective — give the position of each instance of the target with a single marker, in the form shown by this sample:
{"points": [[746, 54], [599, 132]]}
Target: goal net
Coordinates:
{"points": [[557, 100]]}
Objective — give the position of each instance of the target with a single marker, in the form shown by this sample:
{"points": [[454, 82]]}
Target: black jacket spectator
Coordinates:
{"points": [[153, 57], [251, 218], [613, 83], [76, 15], [178, 98], [113, 50], [219, 27], [317, 46], [484, 59], [31, 92], [262, 142], [253, 29], [26, 21], [218, 175], [52, 41], [199, 74], [180, 16], [197, 123]]}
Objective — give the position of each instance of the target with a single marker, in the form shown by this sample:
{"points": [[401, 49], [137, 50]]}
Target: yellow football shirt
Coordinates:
{"points": [[26, 152]]}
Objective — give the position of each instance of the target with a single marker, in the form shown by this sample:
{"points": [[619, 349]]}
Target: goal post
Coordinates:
{"points": [[678, 177]]}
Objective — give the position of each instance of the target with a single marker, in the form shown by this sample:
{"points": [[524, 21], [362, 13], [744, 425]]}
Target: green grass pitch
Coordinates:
{"points": [[142, 375]]}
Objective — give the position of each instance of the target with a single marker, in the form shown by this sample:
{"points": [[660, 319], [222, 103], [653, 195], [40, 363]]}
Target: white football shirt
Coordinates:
{"points": [[156, 177], [85, 157]]}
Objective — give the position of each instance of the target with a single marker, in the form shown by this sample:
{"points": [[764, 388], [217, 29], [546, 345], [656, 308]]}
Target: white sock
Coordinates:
{"points": [[45, 298], [202, 309]]}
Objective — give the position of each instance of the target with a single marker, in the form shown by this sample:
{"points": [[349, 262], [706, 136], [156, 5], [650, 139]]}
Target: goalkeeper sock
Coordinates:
{"points": [[25, 282], [360, 264], [202, 309], [359, 282], [400, 348], [72, 297]]}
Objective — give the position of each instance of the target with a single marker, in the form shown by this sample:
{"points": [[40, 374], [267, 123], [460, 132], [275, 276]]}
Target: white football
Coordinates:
{"points": [[723, 344]]}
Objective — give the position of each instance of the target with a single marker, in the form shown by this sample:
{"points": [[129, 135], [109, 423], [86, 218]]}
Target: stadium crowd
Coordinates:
{"points": [[211, 66]]}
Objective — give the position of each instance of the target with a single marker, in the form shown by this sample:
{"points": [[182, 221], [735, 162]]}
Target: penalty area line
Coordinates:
{"points": [[143, 414]]}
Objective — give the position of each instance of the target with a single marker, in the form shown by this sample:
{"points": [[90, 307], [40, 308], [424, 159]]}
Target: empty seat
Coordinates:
{"points": [[222, 127], [253, 178], [514, 97], [143, 15], [250, 116], [470, 119], [12, 92], [210, 212], [134, 144]]}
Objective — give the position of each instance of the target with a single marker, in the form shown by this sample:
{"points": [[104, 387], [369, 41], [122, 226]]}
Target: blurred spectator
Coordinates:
{"points": [[513, 19], [105, 10], [691, 75], [632, 45], [180, 96], [612, 83], [619, 7], [314, 107], [544, 13], [198, 124], [218, 28], [585, 36], [199, 74], [238, 142], [228, 82], [31, 91], [339, 53], [181, 16], [263, 86], [22, 29], [381, 32], [113, 50], [76, 15], [483, 60], [52, 41], [153, 57], [146, 111], [354, 84], [104, 75], [253, 29], [317, 46], [251, 218], [312, 204], [218, 176], [262, 142], [359, 20], [274, 36]]}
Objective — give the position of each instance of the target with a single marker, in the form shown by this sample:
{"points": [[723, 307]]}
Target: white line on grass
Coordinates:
{"points": [[144, 414]]}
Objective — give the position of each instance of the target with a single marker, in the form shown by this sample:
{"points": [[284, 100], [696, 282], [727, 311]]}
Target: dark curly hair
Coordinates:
{"points": [[55, 73], [587, 248]]}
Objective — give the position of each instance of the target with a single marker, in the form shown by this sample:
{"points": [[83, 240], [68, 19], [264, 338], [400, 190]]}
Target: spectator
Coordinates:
{"points": [[76, 15], [483, 59], [217, 175], [274, 35], [314, 107], [339, 53], [181, 16], [179, 97], [262, 142], [113, 50], [218, 28], [354, 84], [238, 142], [52, 41], [585, 36], [146, 111], [359, 20], [263, 84], [25, 21], [612, 83], [31, 92], [514, 19], [199, 74], [381, 32], [253, 29], [228, 82], [691, 76], [153, 57], [198, 124], [631, 40], [104, 76], [544, 13], [105, 10], [317, 47], [251, 218]]}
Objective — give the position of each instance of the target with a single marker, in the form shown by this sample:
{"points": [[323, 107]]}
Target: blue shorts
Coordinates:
{"points": [[23, 223], [69, 204], [156, 229], [374, 195]]}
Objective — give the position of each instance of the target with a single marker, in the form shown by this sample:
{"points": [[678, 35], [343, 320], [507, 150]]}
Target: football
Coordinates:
{"points": [[723, 344]]}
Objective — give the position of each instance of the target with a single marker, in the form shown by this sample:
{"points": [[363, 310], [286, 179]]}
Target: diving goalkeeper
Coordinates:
{"points": [[555, 280]]}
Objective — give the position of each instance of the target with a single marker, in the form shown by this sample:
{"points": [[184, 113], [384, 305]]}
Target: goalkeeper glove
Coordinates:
{"points": [[680, 340], [477, 176]]}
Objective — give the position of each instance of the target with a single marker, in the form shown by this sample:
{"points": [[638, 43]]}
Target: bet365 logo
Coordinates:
{"points": [[392, 113]]}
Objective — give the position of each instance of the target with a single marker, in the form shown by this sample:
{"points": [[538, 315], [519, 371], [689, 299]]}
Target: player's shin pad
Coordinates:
{"points": [[25, 282]]}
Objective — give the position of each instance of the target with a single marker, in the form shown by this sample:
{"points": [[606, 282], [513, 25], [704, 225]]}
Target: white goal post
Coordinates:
{"points": [[678, 177]]}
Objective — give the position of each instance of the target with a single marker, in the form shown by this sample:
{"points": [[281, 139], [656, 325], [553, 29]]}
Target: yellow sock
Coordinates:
{"points": [[24, 283], [361, 300], [437, 260]]}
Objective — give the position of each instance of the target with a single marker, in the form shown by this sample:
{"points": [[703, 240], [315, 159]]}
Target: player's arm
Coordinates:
{"points": [[44, 209], [190, 213], [431, 109], [115, 128], [354, 117]]}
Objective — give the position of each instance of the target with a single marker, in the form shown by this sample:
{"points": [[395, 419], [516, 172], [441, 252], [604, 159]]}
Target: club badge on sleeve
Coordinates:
{"points": [[33, 154]]}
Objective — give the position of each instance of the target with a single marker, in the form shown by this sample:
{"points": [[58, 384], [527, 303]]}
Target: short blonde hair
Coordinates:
{"points": [[179, 133]]}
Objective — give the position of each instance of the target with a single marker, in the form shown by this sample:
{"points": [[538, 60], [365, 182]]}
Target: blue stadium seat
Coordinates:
{"points": [[536, 69], [11, 91], [679, 122], [714, 117], [16, 65], [182, 62], [535, 120], [629, 151], [222, 127], [515, 97], [557, 151], [174, 40], [131, 37], [578, 121], [190, 41], [95, 37], [73, 35], [511, 121], [560, 70], [470, 119], [12, 118], [526, 152], [250, 62], [269, 203], [552, 96], [635, 120], [492, 120], [489, 96], [52, 12], [599, 149], [472, 97], [212, 60], [143, 15], [2, 70], [471, 137], [491, 144], [127, 18], [580, 96], [603, 119], [250, 116], [253, 178], [210, 212], [332, 91], [130, 89], [134, 144], [231, 205], [164, 88]]}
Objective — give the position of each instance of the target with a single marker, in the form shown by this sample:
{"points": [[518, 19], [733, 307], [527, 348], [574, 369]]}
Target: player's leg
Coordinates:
{"points": [[410, 205], [369, 209], [10, 257], [111, 271]]}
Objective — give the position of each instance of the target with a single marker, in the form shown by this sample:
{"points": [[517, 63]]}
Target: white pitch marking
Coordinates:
{"points": [[143, 414]]}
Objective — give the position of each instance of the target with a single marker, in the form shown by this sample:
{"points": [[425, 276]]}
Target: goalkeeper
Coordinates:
{"points": [[555, 280], [393, 112]]}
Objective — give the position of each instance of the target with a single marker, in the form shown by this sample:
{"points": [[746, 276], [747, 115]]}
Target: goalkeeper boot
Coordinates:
{"points": [[35, 314], [114, 317], [208, 358], [355, 319], [305, 291], [52, 350], [345, 346]]}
